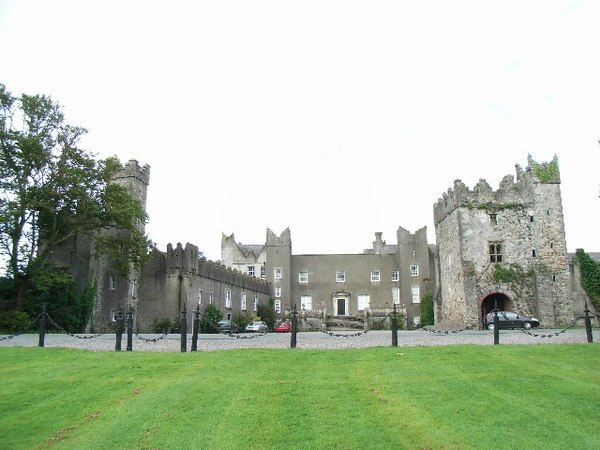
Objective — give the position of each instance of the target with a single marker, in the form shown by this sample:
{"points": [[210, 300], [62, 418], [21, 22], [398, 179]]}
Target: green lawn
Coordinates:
{"points": [[451, 397]]}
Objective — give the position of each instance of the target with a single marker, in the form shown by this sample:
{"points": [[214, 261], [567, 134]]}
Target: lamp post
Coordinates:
{"points": [[394, 326], [496, 324], [294, 326], [195, 326], [588, 324]]}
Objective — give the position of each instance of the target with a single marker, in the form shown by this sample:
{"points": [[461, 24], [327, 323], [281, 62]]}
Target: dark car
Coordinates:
{"points": [[224, 326], [509, 319]]}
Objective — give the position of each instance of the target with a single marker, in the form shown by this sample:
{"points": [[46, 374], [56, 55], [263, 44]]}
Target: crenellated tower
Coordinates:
{"points": [[505, 247]]}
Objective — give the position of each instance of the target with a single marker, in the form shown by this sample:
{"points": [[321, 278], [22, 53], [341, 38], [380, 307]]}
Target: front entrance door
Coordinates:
{"points": [[341, 306]]}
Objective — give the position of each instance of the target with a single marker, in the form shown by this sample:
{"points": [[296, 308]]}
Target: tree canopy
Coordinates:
{"points": [[51, 191]]}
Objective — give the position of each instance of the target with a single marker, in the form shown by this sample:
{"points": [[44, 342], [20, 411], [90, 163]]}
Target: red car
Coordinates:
{"points": [[283, 327]]}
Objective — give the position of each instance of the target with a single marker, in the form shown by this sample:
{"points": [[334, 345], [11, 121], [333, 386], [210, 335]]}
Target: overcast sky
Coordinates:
{"points": [[336, 119]]}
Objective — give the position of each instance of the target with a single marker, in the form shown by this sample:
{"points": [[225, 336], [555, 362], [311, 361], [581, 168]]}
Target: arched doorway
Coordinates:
{"points": [[495, 299]]}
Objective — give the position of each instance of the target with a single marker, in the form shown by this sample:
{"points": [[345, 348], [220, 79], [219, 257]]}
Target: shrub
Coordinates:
{"points": [[14, 321], [210, 318]]}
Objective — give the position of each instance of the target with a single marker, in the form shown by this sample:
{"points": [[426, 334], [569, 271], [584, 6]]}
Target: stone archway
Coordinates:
{"points": [[495, 299]]}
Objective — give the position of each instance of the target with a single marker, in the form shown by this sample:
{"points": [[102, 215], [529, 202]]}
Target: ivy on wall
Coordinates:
{"points": [[502, 274], [546, 172], [590, 275]]}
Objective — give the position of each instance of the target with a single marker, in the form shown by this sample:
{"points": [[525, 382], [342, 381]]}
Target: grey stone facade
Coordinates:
{"points": [[516, 231], [342, 285], [518, 228]]}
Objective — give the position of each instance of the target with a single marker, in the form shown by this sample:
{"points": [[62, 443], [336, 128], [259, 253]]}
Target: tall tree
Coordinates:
{"points": [[51, 191]]}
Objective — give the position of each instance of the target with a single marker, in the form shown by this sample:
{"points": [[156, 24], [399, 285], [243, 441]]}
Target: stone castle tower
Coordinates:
{"points": [[504, 248], [113, 291]]}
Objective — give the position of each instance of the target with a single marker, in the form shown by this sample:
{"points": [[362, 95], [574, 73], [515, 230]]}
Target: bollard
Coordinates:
{"points": [[42, 326], [394, 327], [588, 324], [130, 331], [195, 327], [183, 326], [294, 327], [496, 327], [120, 327]]}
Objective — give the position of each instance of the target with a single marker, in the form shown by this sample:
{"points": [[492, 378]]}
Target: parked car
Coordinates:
{"points": [[283, 327], [509, 319], [257, 326], [224, 326]]}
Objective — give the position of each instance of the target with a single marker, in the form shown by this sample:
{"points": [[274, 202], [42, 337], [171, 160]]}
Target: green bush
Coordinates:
{"points": [[241, 320], [267, 313], [15, 321], [210, 318], [427, 309]]}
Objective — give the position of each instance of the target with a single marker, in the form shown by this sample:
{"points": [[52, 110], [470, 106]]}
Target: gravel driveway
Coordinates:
{"points": [[314, 339]]}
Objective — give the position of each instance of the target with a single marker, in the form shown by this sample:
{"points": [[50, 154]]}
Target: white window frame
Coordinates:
{"points": [[414, 270], [277, 306], [210, 297], [395, 275], [415, 293], [375, 275], [277, 291], [243, 302], [112, 282], [255, 304], [228, 298], [306, 302], [263, 271], [200, 296], [340, 276], [396, 295], [277, 273], [250, 271], [303, 277], [364, 302]]}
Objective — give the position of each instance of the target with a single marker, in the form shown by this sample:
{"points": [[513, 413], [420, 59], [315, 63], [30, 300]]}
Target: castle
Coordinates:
{"points": [[503, 248]]}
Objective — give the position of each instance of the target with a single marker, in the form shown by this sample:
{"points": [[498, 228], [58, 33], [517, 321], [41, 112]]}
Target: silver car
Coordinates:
{"points": [[257, 326]]}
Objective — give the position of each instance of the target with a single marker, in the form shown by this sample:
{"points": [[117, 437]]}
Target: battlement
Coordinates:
{"points": [[132, 169], [282, 240], [509, 193]]}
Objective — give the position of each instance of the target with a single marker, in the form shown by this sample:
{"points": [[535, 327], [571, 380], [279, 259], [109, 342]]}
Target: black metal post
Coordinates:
{"points": [[294, 326], [195, 327], [119, 331], [129, 331], [395, 327], [588, 324], [183, 326], [496, 327], [42, 326]]}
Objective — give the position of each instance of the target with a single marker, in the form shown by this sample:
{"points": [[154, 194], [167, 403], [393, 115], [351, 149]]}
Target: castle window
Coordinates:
{"points": [[375, 275], [395, 275], [278, 273], [306, 302], [251, 271], [255, 303], [396, 295], [416, 294], [340, 277], [277, 292], [228, 299], [493, 219], [303, 277], [243, 302], [200, 297], [533, 253], [414, 270], [133, 288], [495, 252], [263, 271], [551, 245], [277, 306], [210, 297], [554, 278], [364, 302], [112, 282], [531, 218]]}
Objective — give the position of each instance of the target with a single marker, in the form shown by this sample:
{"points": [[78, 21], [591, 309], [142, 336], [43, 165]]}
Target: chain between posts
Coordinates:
{"points": [[33, 322]]}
